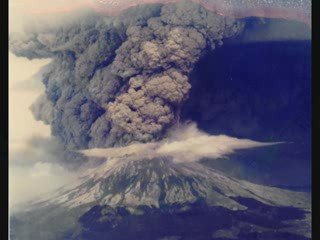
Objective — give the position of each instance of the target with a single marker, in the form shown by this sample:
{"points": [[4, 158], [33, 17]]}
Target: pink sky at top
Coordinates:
{"points": [[299, 11]]}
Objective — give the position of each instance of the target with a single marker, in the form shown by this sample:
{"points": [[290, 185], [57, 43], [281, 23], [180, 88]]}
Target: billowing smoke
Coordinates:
{"points": [[115, 81], [185, 144]]}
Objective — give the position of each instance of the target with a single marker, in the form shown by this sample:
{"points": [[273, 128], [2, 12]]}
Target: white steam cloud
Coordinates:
{"points": [[185, 144]]}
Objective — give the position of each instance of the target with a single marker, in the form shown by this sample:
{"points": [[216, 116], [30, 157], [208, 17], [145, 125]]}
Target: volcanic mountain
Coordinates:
{"points": [[121, 194], [160, 182]]}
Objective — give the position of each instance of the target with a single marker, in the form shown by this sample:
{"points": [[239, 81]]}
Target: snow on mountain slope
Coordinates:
{"points": [[159, 182]]}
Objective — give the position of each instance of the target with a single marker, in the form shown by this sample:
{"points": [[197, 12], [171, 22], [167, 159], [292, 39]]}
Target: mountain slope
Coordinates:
{"points": [[159, 182], [163, 199]]}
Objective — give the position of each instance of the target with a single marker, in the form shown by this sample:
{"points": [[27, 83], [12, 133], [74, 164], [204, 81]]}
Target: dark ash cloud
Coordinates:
{"points": [[118, 80]]}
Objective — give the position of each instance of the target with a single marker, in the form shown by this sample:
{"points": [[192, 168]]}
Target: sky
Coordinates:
{"points": [[293, 9], [28, 174], [27, 178]]}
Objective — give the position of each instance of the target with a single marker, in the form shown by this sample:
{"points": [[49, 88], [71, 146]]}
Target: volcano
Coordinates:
{"points": [[160, 182], [119, 86], [116, 194]]}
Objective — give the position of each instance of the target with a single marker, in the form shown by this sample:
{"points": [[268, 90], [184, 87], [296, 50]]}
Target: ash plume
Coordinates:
{"points": [[116, 81], [185, 144]]}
